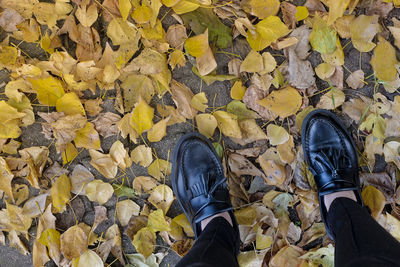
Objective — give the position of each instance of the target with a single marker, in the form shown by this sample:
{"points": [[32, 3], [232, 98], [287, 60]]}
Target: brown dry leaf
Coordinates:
{"points": [[106, 124], [80, 177], [285, 151], [182, 247], [73, 242], [356, 79], [251, 98], [250, 131], [176, 36], [9, 19], [103, 163], [182, 96], [87, 15], [239, 165]]}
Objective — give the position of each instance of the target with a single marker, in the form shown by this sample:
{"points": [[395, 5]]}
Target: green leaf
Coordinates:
{"points": [[210, 79], [218, 149], [124, 191], [203, 18], [240, 110]]}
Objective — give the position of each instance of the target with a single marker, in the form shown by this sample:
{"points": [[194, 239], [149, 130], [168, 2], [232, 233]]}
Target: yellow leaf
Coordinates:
{"points": [[69, 154], [384, 61], [70, 104], [9, 121], [228, 124], [162, 197], [135, 86], [332, 99], [87, 137], [267, 31], [284, 102], [157, 221], [145, 241], [197, 45], [262, 9], [238, 90], [99, 191], [324, 70], [61, 193], [8, 55], [206, 124], [199, 102], [363, 29], [185, 6], [269, 63], [11, 147], [122, 32], [177, 58], [342, 25], [158, 131], [336, 9], [73, 242], [301, 13], [51, 239], [87, 17], [159, 169], [103, 163], [170, 3], [48, 90], [277, 135], [252, 63], [376, 123], [142, 117], [322, 37], [142, 155], [125, 210], [246, 216], [374, 199], [142, 14], [13, 88], [183, 222], [89, 258], [337, 57], [125, 8], [16, 219], [263, 241], [395, 30], [285, 151]]}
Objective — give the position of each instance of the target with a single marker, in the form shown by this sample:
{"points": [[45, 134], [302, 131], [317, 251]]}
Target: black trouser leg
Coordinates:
{"points": [[214, 247], [360, 240]]}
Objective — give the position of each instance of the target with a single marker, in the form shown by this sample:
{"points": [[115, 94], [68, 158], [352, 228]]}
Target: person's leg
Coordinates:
{"points": [[214, 247], [359, 239], [200, 188]]}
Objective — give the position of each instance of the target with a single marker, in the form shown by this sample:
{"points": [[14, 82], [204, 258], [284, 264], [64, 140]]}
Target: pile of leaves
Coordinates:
{"points": [[124, 53]]}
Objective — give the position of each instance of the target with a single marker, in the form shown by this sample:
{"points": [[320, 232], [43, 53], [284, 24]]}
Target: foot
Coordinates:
{"points": [[199, 183], [332, 157], [224, 215], [329, 198]]}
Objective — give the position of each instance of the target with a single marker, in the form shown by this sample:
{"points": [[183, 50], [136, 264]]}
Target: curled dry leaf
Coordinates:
{"points": [[356, 79], [73, 242], [99, 191], [144, 184], [182, 96]]}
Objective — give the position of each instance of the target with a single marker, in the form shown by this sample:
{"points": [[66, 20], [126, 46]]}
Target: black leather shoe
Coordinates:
{"points": [[198, 181], [331, 155]]}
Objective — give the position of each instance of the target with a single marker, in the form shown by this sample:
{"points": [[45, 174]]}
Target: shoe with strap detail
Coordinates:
{"points": [[331, 155], [199, 183]]}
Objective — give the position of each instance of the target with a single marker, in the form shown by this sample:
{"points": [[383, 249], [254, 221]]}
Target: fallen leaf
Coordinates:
{"points": [[158, 131], [277, 135], [144, 241], [322, 37], [144, 184], [161, 197], [332, 99], [384, 61], [374, 199], [61, 193], [120, 155], [287, 256], [157, 222], [125, 210], [103, 163], [73, 242], [89, 258], [283, 102], [142, 155], [159, 169], [363, 29], [48, 90], [206, 124], [99, 191], [228, 124], [356, 79]]}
